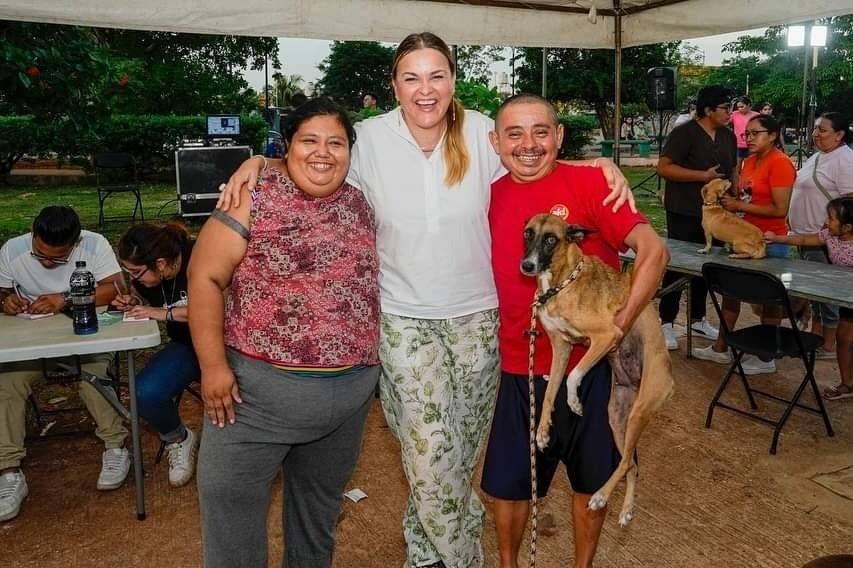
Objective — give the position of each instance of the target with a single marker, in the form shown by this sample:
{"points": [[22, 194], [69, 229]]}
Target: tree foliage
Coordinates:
{"points": [[775, 71], [586, 75], [186, 73], [354, 68], [284, 87], [53, 72], [473, 62], [68, 71]]}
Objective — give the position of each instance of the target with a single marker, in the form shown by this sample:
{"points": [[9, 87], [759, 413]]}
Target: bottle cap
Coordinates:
{"points": [[80, 264]]}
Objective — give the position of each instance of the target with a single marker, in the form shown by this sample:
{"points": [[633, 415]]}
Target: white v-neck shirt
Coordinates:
{"points": [[433, 241]]}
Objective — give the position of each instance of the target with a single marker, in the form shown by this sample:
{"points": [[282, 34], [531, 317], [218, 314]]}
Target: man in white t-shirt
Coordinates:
{"points": [[35, 270]]}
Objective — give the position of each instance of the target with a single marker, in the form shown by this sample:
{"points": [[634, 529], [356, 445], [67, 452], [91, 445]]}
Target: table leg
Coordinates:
{"points": [[689, 322], [138, 474]]}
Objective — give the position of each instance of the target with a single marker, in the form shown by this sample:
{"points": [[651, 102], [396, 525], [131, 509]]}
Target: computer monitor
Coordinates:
{"points": [[223, 126]]}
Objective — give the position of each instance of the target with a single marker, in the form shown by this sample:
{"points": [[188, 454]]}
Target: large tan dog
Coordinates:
{"points": [[745, 239], [584, 309]]}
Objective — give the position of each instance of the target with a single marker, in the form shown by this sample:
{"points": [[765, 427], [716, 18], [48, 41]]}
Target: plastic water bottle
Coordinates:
{"points": [[83, 300]]}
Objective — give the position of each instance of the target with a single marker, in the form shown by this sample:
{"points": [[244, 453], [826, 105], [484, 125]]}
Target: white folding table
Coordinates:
{"points": [[28, 340]]}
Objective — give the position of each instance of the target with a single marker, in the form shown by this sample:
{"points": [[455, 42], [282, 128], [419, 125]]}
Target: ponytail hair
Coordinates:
{"points": [[144, 243], [456, 157], [455, 153]]}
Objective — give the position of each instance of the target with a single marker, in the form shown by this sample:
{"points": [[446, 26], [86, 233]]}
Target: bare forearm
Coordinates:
{"points": [[799, 240], [207, 322], [648, 271]]}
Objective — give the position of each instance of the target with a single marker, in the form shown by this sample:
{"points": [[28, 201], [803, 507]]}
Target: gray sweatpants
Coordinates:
{"points": [[310, 426]]}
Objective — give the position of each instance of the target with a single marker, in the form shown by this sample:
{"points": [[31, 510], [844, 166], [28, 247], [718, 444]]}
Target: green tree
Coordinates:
{"points": [[354, 68], [474, 62], [586, 75], [186, 74], [284, 87], [776, 71]]}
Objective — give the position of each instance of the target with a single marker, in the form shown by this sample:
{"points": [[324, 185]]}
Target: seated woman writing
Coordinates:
{"points": [[290, 360], [156, 258]]}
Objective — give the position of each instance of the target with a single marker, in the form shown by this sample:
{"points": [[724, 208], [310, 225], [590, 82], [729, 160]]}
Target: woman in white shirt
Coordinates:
{"points": [[426, 167], [827, 174]]}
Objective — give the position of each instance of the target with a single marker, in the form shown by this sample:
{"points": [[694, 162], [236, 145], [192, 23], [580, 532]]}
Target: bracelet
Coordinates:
{"points": [[264, 158]]}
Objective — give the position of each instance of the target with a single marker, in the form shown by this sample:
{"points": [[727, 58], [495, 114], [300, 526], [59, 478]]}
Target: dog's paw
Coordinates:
{"points": [[703, 251], [542, 439], [575, 404], [597, 502], [625, 518]]}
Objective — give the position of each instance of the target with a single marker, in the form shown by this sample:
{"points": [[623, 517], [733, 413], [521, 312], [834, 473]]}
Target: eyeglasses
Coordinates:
{"points": [[135, 276], [747, 134], [54, 259], [726, 108]]}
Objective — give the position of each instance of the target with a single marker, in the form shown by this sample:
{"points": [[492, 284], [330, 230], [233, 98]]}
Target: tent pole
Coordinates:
{"points": [[617, 111]]}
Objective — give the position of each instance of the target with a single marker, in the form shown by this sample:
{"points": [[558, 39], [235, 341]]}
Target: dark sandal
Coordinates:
{"points": [[838, 392]]}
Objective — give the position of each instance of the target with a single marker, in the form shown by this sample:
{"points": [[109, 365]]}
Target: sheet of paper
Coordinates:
{"points": [[355, 495], [33, 316], [128, 317]]}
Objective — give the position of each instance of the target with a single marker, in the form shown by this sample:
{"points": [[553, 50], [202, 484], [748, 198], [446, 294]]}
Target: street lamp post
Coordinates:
{"points": [[806, 36]]}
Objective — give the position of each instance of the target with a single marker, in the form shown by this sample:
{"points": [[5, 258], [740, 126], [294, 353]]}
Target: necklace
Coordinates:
{"points": [[168, 303]]}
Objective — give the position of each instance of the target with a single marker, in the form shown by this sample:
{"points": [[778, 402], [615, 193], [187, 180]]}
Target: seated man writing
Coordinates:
{"points": [[35, 270], [527, 137]]}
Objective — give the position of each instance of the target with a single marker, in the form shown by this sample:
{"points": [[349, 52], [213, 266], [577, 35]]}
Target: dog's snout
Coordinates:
{"points": [[528, 267]]}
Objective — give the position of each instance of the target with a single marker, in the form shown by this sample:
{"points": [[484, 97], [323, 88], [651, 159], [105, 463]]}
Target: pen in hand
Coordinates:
{"points": [[122, 301]]}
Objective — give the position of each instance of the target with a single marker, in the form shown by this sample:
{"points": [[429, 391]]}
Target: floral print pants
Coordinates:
{"points": [[438, 385]]}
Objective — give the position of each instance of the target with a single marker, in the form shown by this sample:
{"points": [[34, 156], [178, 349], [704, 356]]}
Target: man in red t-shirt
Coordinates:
{"points": [[528, 136]]}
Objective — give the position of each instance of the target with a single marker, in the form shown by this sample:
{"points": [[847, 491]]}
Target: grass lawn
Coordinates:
{"points": [[20, 205]]}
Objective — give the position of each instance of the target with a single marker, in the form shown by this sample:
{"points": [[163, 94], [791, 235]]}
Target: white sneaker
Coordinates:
{"points": [[182, 459], [752, 365], [704, 328], [708, 354], [13, 491], [669, 336], [114, 468]]}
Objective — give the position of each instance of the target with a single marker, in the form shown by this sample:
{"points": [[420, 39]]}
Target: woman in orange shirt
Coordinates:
{"points": [[764, 193]]}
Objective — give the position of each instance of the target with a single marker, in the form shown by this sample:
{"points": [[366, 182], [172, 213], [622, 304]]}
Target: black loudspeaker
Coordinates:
{"points": [[199, 172], [660, 88]]}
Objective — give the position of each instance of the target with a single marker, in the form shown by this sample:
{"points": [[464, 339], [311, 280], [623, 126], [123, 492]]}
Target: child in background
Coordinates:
{"points": [[837, 236]]}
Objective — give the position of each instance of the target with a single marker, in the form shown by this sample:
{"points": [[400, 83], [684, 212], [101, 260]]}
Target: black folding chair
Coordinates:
{"points": [[765, 341], [115, 172]]}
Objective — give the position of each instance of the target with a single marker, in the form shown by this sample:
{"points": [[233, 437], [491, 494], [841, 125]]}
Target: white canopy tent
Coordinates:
{"points": [[532, 23]]}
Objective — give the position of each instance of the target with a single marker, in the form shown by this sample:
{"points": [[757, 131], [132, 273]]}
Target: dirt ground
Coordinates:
{"points": [[706, 497]]}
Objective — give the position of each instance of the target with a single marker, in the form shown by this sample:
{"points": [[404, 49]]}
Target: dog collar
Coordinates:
{"points": [[711, 203], [551, 292]]}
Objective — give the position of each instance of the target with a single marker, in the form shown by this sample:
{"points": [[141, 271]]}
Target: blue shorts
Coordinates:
{"points": [[584, 443]]}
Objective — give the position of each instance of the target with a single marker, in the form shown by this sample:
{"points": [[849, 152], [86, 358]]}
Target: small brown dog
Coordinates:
{"points": [[590, 294], [745, 239]]}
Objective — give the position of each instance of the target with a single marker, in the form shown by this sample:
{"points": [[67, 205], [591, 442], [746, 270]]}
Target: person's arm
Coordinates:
{"points": [[246, 175], [812, 240], [671, 171], [649, 266], [55, 302], [217, 252]]}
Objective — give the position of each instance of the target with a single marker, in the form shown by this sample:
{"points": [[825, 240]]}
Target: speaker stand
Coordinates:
{"points": [[641, 185]]}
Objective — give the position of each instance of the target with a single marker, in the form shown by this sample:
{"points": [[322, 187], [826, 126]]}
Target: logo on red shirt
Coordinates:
{"points": [[560, 211]]}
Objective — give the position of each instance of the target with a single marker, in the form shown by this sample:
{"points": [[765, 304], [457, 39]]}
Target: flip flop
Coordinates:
{"points": [[838, 392]]}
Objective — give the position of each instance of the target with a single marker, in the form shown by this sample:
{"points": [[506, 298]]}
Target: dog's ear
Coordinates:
{"points": [[576, 233]]}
